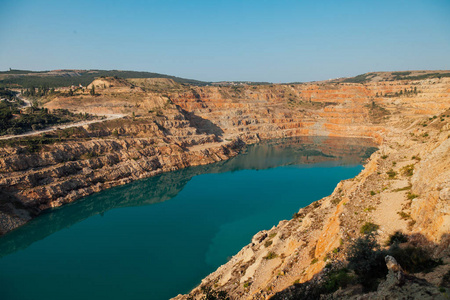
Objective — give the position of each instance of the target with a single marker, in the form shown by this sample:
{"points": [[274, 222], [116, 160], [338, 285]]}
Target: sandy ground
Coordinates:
{"points": [[387, 215]]}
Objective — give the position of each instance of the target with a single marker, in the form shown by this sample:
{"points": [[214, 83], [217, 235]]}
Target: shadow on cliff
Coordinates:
{"points": [[298, 151], [415, 255], [202, 125]]}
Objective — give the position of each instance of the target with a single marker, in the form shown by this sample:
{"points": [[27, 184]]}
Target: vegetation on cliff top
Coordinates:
{"points": [[16, 120], [26, 79], [366, 267], [392, 76]]}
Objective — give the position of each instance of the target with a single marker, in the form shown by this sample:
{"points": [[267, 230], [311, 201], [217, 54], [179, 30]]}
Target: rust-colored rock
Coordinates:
{"points": [[178, 126]]}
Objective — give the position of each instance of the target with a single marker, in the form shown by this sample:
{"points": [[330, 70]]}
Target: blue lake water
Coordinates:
{"points": [[158, 237]]}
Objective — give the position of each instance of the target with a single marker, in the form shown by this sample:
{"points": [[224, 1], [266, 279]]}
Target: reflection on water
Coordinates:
{"points": [[269, 154], [129, 242]]}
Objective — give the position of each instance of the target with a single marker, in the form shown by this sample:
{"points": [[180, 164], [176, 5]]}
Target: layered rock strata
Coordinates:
{"points": [[404, 186], [59, 173]]}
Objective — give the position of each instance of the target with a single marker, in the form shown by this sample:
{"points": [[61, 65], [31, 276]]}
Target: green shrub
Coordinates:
{"points": [[369, 227], [411, 196], [413, 259], [267, 243], [270, 255], [397, 238], [33, 147], [89, 155], [369, 209], [445, 282], [367, 261], [411, 223], [403, 215], [315, 204], [210, 294], [35, 118], [336, 201], [391, 173], [314, 289], [337, 279]]}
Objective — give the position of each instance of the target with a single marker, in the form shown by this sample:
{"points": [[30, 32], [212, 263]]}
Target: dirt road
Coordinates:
{"points": [[61, 126], [77, 124]]}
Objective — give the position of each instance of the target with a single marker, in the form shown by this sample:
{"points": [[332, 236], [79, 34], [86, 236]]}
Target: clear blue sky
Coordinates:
{"points": [[257, 40]]}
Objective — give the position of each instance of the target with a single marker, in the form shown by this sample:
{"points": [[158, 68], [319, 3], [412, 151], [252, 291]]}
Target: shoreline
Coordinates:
{"points": [[412, 131], [329, 223], [236, 146]]}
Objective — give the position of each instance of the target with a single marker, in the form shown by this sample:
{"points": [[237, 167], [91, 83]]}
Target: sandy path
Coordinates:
{"points": [[77, 124], [387, 212], [60, 126], [27, 102]]}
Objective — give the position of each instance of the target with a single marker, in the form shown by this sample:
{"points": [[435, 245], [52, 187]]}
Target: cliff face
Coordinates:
{"points": [[62, 172], [414, 200], [298, 249], [178, 126]]}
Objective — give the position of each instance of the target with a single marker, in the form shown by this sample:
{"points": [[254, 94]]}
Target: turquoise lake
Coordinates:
{"points": [[158, 237]]}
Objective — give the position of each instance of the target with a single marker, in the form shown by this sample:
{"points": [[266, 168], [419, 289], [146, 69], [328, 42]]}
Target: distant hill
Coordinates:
{"points": [[60, 78], [63, 78], [391, 76]]}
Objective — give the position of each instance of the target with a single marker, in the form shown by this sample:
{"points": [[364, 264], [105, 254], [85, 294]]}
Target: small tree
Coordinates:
{"points": [[367, 260], [34, 106], [92, 90]]}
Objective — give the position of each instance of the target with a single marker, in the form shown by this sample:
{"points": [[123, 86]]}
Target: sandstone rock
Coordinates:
{"points": [[209, 124]]}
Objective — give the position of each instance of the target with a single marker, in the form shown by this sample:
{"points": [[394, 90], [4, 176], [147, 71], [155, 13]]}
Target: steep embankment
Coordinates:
{"points": [[39, 176], [174, 126], [414, 200], [405, 186]]}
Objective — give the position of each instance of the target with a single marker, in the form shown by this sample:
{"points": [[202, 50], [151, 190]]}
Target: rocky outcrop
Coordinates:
{"points": [[404, 186], [412, 159], [397, 285], [63, 172]]}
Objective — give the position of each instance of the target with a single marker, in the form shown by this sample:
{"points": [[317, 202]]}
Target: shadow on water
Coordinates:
{"points": [[270, 154]]}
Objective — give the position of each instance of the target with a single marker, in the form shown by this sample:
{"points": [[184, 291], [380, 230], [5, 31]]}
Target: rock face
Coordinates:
{"points": [[399, 286], [384, 193], [32, 181], [404, 186]]}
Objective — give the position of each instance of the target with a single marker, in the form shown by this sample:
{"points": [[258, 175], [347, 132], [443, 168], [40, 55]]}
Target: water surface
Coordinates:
{"points": [[158, 237]]}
